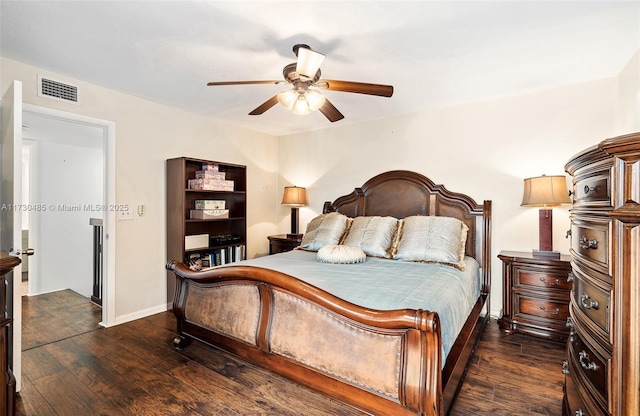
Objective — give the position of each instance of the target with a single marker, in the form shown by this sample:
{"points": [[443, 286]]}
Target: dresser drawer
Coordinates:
{"points": [[592, 300], [590, 367], [592, 185], [576, 403], [528, 307], [590, 241], [551, 279]]}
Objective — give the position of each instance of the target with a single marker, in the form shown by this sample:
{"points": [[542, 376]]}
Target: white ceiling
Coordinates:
{"points": [[434, 53]]}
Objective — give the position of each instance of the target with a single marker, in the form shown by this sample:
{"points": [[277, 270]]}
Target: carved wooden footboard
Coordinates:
{"points": [[386, 362]]}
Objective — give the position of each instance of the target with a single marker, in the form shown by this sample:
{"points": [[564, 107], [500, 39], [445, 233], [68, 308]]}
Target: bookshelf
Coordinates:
{"points": [[216, 234]]}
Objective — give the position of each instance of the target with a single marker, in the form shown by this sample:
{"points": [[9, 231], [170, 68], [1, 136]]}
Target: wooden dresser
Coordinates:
{"points": [[603, 350], [7, 380]]}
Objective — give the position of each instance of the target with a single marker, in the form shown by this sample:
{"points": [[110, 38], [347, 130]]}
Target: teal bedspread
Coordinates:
{"points": [[384, 284]]}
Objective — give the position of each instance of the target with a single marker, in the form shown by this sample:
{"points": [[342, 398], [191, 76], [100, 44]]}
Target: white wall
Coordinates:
{"points": [[483, 149], [147, 134], [68, 178], [628, 103]]}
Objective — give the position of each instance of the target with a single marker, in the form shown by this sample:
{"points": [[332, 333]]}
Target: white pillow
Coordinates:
{"points": [[432, 239], [325, 229], [373, 235], [341, 254]]}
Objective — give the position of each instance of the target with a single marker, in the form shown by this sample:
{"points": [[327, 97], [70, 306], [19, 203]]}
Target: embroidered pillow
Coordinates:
{"points": [[373, 235], [341, 254], [325, 229], [432, 239]]}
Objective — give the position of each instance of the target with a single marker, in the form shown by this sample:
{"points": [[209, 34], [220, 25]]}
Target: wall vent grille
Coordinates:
{"points": [[57, 90]]}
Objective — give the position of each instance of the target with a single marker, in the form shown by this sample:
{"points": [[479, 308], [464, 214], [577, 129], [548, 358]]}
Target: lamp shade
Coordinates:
{"points": [[294, 196], [545, 191]]}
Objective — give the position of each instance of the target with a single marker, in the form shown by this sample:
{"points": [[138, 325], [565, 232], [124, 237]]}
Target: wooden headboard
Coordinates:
{"points": [[401, 193]]}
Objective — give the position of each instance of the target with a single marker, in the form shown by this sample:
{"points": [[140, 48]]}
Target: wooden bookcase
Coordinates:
{"points": [[181, 200]]}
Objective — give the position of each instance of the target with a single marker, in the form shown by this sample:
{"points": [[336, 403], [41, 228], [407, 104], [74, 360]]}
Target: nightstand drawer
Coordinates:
{"points": [[526, 306], [542, 279], [281, 243]]}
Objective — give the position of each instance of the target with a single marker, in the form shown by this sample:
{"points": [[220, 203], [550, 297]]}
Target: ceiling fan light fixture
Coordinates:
{"points": [[301, 106], [315, 99], [287, 98], [308, 62]]}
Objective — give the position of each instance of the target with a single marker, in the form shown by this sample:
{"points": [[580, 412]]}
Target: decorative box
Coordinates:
{"points": [[209, 184], [196, 241], [208, 214], [209, 204], [210, 174], [211, 167]]}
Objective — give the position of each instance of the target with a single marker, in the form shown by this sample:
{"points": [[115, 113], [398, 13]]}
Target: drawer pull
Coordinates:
{"points": [[570, 277], [544, 309], [579, 412], [590, 304], [583, 357], [565, 367], [569, 323], [587, 244], [588, 189], [550, 283]]}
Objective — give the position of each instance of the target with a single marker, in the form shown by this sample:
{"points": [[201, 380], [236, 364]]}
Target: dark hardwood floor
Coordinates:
{"points": [[71, 366]]}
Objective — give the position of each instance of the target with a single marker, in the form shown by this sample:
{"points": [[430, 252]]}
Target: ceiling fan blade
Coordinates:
{"points": [[212, 84], [357, 87], [330, 111], [265, 106]]}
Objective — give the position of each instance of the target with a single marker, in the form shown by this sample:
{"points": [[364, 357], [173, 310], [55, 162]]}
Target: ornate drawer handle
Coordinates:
{"points": [[588, 305], [588, 189], [549, 283], [557, 311], [587, 244], [570, 277], [565, 367], [569, 323], [583, 357], [579, 412]]}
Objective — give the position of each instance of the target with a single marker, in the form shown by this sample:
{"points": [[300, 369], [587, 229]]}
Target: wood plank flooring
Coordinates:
{"points": [[132, 369]]}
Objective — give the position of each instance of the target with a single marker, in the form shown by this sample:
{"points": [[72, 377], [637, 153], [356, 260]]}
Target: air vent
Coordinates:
{"points": [[57, 90]]}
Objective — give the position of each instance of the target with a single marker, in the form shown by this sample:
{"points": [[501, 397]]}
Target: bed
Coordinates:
{"points": [[320, 323]]}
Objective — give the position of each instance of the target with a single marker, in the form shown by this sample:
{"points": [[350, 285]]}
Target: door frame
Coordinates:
{"points": [[109, 155]]}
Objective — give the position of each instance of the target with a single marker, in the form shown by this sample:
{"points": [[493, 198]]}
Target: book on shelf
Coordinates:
{"points": [[217, 257]]}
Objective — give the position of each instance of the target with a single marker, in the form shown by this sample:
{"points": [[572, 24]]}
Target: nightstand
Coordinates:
{"points": [[280, 243], [536, 294]]}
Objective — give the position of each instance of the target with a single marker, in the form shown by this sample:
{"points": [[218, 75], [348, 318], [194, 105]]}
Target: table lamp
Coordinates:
{"points": [[545, 192], [294, 197]]}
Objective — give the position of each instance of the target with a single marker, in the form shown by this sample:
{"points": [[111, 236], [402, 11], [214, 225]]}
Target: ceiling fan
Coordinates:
{"points": [[304, 78]]}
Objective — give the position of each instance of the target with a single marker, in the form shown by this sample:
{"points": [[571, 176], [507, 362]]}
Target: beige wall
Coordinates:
{"points": [[628, 103], [146, 135], [483, 149]]}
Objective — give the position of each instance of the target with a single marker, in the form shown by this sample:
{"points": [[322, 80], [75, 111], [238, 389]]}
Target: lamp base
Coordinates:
{"points": [[546, 254]]}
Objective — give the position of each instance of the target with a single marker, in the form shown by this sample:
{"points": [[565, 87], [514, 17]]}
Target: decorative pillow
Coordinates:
{"points": [[373, 235], [341, 254], [432, 239], [325, 229]]}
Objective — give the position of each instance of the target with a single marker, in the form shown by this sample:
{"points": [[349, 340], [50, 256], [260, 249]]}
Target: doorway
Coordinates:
{"points": [[71, 177]]}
